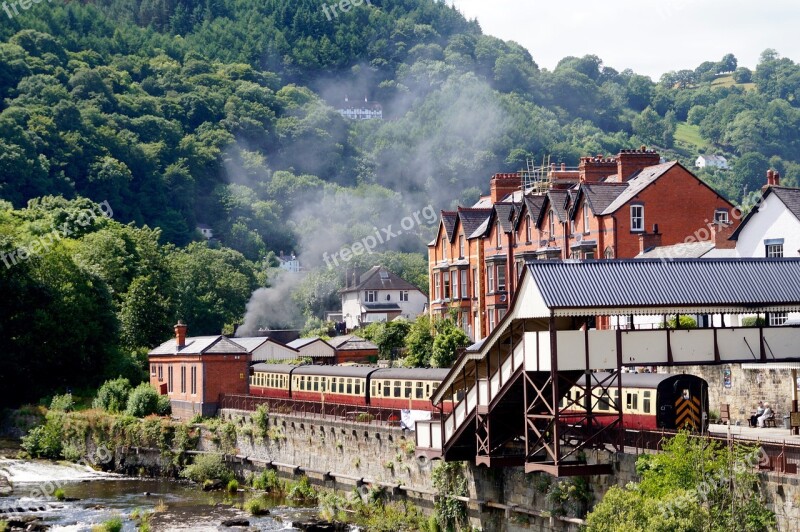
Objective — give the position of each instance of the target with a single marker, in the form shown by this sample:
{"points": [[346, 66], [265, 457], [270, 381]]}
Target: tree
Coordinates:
{"points": [[446, 345], [419, 343], [743, 75]]}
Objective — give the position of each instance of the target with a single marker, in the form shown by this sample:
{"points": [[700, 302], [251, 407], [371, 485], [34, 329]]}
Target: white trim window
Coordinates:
{"points": [[528, 229], [501, 277], [721, 216], [454, 283], [464, 293], [437, 292], [776, 319], [774, 250], [637, 218], [371, 296], [403, 295], [490, 278], [552, 224], [460, 246], [499, 235], [586, 216], [474, 282]]}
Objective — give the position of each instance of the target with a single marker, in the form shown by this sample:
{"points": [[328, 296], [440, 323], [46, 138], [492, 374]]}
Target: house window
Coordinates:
{"points": [[169, 379], [490, 278], [437, 283], [501, 313], [444, 248], [461, 246], [586, 216], [528, 230], [491, 320], [464, 294], [454, 283], [774, 250], [637, 218], [501, 277], [403, 295], [153, 370], [721, 216], [160, 372], [588, 255], [552, 224], [183, 379], [609, 253], [446, 286], [371, 296], [776, 319], [499, 235], [474, 282]]}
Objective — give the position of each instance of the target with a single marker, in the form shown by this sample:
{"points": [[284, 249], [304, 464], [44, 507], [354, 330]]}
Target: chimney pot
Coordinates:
{"points": [[776, 178], [563, 166]]}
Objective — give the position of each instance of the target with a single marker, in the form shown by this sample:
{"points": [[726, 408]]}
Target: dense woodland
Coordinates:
{"points": [[223, 112]]}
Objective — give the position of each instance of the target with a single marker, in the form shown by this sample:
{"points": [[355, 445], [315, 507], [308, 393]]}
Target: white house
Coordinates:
{"points": [[206, 231], [290, 263], [368, 111], [315, 348], [264, 348], [711, 161], [379, 295]]}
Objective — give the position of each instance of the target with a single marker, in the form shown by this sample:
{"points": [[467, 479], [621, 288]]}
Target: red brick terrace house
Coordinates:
{"points": [[194, 371], [606, 208]]}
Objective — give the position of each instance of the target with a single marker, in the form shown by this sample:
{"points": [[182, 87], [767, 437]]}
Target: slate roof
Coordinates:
{"points": [[534, 204], [601, 195], [503, 211], [449, 221], [199, 345], [351, 342], [658, 283], [643, 179], [557, 201], [471, 219], [789, 196], [371, 280], [251, 343], [689, 250], [302, 342]]}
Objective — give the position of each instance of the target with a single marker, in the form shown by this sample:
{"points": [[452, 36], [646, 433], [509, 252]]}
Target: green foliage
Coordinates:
{"points": [[62, 403], [260, 419], [233, 486], [302, 491], [389, 337], [446, 345], [112, 525], [46, 441], [59, 494], [113, 395], [268, 480], [163, 407], [694, 484], [754, 321], [143, 401], [686, 322], [207, 467], [419, 342], [449, 481], [570, 497], [256, 506]]}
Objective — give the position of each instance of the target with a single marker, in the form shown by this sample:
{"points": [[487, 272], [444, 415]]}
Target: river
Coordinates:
{"points": [[93, 498]]}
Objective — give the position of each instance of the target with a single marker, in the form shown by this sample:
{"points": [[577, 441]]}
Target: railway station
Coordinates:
{"points": [[548, 384]]}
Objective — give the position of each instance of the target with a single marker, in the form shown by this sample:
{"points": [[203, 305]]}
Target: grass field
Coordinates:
{"points": [[727, 81], [690, 135]]}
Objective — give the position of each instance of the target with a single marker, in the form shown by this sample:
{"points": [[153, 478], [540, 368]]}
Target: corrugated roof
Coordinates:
{"points": [[635, 185], [471, 219], [197, 345], [659, 283]]}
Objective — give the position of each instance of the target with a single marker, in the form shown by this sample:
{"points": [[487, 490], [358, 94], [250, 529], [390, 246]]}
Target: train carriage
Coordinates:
{"points": [[406, 388], [650, 401], [270, 380], [331, 384]]}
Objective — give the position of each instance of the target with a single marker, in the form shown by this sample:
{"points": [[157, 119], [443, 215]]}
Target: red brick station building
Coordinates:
{"points": [[606, 208]]}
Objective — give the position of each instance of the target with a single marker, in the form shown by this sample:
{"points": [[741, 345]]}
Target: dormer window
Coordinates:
{"points": [[552, 223], [529, 230], [586, 216], [499, 235]]}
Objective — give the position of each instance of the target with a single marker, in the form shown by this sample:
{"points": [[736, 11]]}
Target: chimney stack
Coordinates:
{"points": [[180, 334], [721, 234], [593, 169], [649, 240], [773, 180], [631, 162], [502, 185]]}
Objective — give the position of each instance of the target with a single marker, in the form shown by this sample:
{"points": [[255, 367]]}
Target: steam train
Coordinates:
{"points": [[649, 400], [400, 388]]}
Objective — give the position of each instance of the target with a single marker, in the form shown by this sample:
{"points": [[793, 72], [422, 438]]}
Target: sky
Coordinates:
{"points": [[646, 36]]}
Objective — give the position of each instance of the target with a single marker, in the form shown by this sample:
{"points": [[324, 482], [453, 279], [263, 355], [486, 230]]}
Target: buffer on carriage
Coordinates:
{"points": [[547, 383]]}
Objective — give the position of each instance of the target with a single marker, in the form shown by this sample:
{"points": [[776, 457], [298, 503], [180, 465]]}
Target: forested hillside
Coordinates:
{"points": [[223, 112]]}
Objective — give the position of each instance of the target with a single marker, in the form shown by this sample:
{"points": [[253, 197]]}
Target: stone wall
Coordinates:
{"points": [[747, 388]]}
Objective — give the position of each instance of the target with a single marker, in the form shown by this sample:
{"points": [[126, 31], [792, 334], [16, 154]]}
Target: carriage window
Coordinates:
{"points": [[387, 388], [374, 392], [349, 386], [316, 384], [646, 402], [616, 403], [632, 401], [428, 391], [408, 390], [358, 387], [397, 389], [419, 391], [604, 402]]}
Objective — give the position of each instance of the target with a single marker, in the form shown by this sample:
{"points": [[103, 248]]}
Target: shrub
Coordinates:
{"points": [[164, 407], [267, 480], [233, 486], [59, 494], [256, 506], [207, 467], [113, 395], [45, 441], [112, 525], [62, 403], [302, 491], [143, 401]]}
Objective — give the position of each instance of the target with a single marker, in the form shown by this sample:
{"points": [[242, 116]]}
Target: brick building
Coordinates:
{"points": [[606, 208], [194, 371]]}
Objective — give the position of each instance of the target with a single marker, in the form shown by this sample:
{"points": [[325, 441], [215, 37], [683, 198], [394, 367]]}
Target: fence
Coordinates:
{"points": [[363, 414]]}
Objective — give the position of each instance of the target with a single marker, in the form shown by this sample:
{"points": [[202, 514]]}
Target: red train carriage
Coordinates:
{"points": [[331, 384], [649, 401], [406, 388], [271, 380]]}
